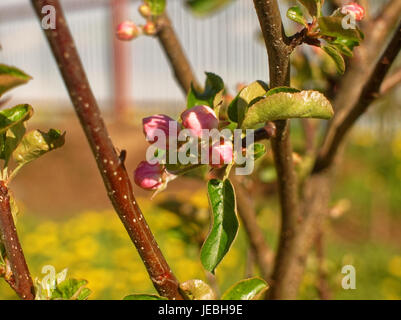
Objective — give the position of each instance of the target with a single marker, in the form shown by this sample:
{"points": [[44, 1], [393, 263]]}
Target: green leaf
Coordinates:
{"points": [[313, 6], [284, 105], [13, 116], [345, 46], [71, 289], [11, 77], [239, 105], [197, 290], [225, 223], [138, 296], [248, 289], [211, 96], [10, 140], [205, 7], [281, 89], [335, 54], [157, 7], [295, 14], [332, 27], [36, 143], [259, 150]]}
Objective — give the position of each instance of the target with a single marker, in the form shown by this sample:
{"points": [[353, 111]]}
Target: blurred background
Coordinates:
{"points": [[66, 219]]}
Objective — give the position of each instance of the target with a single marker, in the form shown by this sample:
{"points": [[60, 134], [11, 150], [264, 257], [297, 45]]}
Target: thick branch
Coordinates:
{"points": [[279, 71], [175, 54], [111, 167], [345, 119], [20, 279]]}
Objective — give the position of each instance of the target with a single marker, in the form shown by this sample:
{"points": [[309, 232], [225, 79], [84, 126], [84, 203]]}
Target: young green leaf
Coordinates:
{"points": [[248, 289], [36, 143], [11, 77], [211, 96], [197, 290], [335, 54], [281, 89], [333, 27], [284, 105], [205, 7], [13, 116], [313, 6], [238, 107], [157, 7], [225, 223], [9, 141], [71, 289], [296, 15], [138, 296]]}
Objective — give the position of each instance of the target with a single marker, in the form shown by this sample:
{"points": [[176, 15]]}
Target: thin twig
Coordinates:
{"points": [[20, 279], [279, 70], [112, 169], [345, 119]]}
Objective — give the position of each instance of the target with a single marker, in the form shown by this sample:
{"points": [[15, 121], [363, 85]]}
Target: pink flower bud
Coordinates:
{"points": [[220, 154], [148, 176], [160, 122], [355, 9], [127, 30], [149, 28], [144, 10], [198, 118]]}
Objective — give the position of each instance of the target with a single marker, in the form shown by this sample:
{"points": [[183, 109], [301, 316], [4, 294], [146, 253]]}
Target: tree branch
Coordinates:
{"points": [[279, 70], [391, 82], [345, 119], [19, 279], [175, 54], [111, 167]]}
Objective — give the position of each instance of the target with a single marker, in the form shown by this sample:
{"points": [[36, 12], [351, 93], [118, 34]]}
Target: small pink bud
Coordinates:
{"points": [[149, 28], [148, 176], [355, 9], [127, 30], [145, 11], [220, 154], [160, 122], [198, 118]]}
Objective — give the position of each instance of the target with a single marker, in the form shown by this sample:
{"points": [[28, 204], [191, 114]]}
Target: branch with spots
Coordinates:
{"points": [[16, 271], [109, 162]]}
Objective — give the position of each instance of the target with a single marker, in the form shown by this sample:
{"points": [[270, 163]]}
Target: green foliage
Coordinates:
{"points": [[197, 289], [285, 105], [157, 7], [205, 7], [313, 6], [11, 77], [239, 106], [211, 96], [36, 143], [138, 296], [248, 289], [71, 289], [13, 116], [225, 223], [335, 53], [296, 15]]}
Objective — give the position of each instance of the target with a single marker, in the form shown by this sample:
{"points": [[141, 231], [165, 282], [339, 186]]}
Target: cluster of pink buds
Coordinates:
{"points": [[128, 30], [154, 176], [354, 9]]}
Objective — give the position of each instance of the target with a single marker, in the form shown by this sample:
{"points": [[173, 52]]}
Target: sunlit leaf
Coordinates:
{"points": [[284, 105], [212, 94], [11, 77], [144, 297], [197, 290], [157, 7], [225, 223], [248, 289], [239, 105], [335, 54], [332, 27], [205, 7], [13, 116], [296, 15], [36, 143], [71, 289], [313, 6]]}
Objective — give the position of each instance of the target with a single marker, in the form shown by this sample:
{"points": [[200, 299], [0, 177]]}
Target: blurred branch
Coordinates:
{"points": [[175, 54], [19, 279], [322, 285], [279, 70], [111, 167], [346, 118], [391, 82]]}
